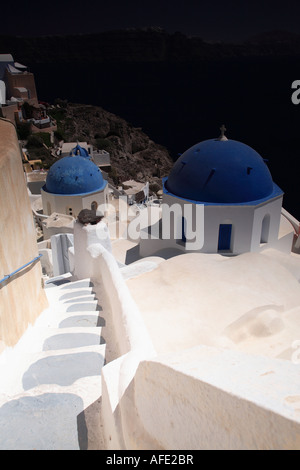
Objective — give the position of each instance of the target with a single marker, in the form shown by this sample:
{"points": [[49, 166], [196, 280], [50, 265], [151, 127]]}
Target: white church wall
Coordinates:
{"points": [[246, 220], [182, 224], [241, 218], [70, 204], [284, 244], [269, 212], [100, 198]]}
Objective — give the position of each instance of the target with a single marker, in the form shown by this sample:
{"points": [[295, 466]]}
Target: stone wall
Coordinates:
{"points": [[21, 297]]}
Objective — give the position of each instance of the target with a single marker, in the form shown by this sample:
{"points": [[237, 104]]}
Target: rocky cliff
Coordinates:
{"points": [[133, 154]]}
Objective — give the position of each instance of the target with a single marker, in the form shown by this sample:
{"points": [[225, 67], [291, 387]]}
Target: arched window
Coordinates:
{"points": [[265, 229], [94, 206]]}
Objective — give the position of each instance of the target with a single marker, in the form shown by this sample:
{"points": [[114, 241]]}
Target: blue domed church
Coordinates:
{"points": [[74, 183], [218, 198]]}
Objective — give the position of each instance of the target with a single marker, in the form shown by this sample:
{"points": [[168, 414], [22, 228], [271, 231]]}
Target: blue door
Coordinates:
{"points": [[224, 237]]}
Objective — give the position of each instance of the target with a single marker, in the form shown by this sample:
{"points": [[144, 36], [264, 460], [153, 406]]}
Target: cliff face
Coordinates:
{"points": [[133, 154]]}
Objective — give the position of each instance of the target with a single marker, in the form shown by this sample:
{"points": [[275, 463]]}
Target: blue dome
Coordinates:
{"points": [[78, 150], [220, 171], [73, 176]]}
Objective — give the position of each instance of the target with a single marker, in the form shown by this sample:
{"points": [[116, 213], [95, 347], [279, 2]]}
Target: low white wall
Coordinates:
{"points": [[92, 259], [131, 332], [207, 398]]}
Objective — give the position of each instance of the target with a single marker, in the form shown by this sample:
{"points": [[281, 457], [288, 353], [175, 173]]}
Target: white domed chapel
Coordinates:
{"points": [[218, 198], [74, 183]]}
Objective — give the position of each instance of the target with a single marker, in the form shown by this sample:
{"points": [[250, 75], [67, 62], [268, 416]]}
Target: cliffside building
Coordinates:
{"points": [[17, 86]]}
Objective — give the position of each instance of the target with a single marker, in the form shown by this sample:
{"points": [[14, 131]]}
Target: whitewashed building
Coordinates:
{"points": [[74, 183], [218, 198]]}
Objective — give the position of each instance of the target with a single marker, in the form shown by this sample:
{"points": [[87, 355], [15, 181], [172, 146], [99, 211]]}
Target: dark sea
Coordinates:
{"points": [[179, 105]]}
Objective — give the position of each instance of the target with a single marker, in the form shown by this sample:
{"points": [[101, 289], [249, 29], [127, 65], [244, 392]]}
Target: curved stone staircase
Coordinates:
{"points": [[50, 392]]}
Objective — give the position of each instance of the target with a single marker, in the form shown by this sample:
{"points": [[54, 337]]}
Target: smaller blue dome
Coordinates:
{"points": [[82, 152], [74, 176]]}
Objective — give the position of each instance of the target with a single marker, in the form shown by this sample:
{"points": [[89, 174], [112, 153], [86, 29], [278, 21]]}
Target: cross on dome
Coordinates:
{"points": [[223, 136]]}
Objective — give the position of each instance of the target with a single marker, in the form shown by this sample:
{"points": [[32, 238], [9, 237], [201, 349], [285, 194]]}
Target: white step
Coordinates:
{"points": [[64, 282], [53, 375], [71, 294], [51, 339], [88, 305], [61, 319], [59, 368], [44, 422], [64, 367], [51, 414]]}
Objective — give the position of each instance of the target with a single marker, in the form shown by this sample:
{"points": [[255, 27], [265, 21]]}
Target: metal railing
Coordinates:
{"points": [[8, 276]]}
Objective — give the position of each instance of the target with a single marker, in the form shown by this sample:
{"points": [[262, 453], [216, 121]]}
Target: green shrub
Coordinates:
{"points": [[23, 130], [57, 113], [37, 140], [113, 174], [104, 144], [34, 141], [154, 187], [59, 135]]}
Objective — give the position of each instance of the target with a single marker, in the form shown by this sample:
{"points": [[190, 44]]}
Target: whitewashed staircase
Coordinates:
{"points": [[50, 389]]}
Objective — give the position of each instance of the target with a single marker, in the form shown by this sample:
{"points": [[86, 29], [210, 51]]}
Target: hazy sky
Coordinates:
{"points": [[210, 19]]}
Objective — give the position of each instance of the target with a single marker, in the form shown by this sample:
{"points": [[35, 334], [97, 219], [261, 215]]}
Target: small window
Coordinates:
{"points": [[265, 228], [94, 206], [224, 242]]}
